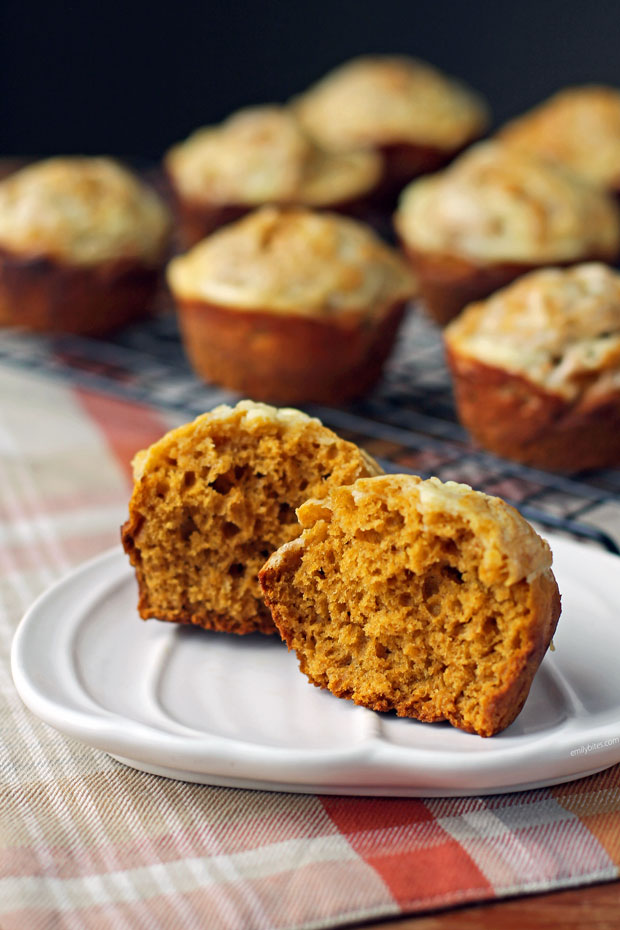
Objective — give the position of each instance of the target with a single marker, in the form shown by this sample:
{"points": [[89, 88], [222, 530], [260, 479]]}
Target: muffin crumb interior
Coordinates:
{"points": [[214, 499], [391, 611]]}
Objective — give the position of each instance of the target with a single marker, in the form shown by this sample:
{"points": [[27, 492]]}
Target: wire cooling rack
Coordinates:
{"points": [[408, 422]]}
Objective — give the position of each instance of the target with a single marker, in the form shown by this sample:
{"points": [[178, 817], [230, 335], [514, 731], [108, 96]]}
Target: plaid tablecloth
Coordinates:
{"points": [[88, 843]]}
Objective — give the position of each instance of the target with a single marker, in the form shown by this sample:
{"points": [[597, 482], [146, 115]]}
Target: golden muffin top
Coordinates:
{"points": [[378, 100], [262, 155], [293, 261], [83, 211], [578, 127], [560, 328], [496, 203], [510, 549], [251, 417]]}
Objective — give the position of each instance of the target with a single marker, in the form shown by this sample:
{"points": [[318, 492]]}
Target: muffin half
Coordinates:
{"points": [[290, 305], [214, 498], [493, 215], [261, 155], [424, 598], [536, 369], [82, 243], [417, 117]]}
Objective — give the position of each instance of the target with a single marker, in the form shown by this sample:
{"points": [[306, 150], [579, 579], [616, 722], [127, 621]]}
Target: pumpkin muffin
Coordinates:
{"points": [[579, 127], [291, 306], [415, 116], [82, 243], [214, 498], [494, 214], [536, 369], [424, 598], [261, 155]]}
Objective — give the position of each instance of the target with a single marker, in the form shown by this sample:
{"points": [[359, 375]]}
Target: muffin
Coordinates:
{"points": [[536, 368], [290, 305], [260, 155], [579, 127], [214, 498], [82, 243], [415, 116], [493, 215], [424, 598]]}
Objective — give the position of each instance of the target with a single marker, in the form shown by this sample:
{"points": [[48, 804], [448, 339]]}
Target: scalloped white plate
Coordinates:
{"points": [[235, 711]]}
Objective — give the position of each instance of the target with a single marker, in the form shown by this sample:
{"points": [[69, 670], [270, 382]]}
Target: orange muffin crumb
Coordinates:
{"points": [[214, 498], [429, 599]]}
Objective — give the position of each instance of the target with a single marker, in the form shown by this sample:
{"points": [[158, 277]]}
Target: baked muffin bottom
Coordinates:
{"points": [[405, 161], [45, 294], [447, 283], [511, 416], [288, 358], [195, 220], [390, 611]]}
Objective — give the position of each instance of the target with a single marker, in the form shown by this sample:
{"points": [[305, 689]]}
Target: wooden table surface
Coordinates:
{"points": [[594, 907]]}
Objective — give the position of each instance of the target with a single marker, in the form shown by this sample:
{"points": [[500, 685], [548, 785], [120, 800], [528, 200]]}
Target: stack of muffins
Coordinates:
{"points": [[286, 292]]}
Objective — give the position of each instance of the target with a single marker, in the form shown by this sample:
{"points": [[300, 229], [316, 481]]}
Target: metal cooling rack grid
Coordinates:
{"points": [[408, 422]]}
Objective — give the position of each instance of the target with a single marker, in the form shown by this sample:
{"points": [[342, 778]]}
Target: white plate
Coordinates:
{"points": [[235, 711]]}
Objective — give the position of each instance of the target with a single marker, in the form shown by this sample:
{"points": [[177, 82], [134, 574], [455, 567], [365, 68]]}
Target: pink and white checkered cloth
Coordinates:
{"points": [[87, 843]]}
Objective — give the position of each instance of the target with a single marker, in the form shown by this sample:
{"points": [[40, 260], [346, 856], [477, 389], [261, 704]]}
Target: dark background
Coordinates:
{"points": [[132, 78]]}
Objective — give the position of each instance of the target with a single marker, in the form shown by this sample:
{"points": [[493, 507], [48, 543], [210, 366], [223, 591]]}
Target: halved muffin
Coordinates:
{"points": [[291, 306], [424, 598], [260, 155], [578, 127], [214, 498], [82, 244], [417, 117], [494, 214], [536, 368]]}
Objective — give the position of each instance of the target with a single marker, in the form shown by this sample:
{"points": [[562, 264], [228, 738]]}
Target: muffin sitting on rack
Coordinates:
{"points": [[536, 369], [579, 127], [291, 306], [82, 243], [260, 155], [495, 214], [415, 116]]}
